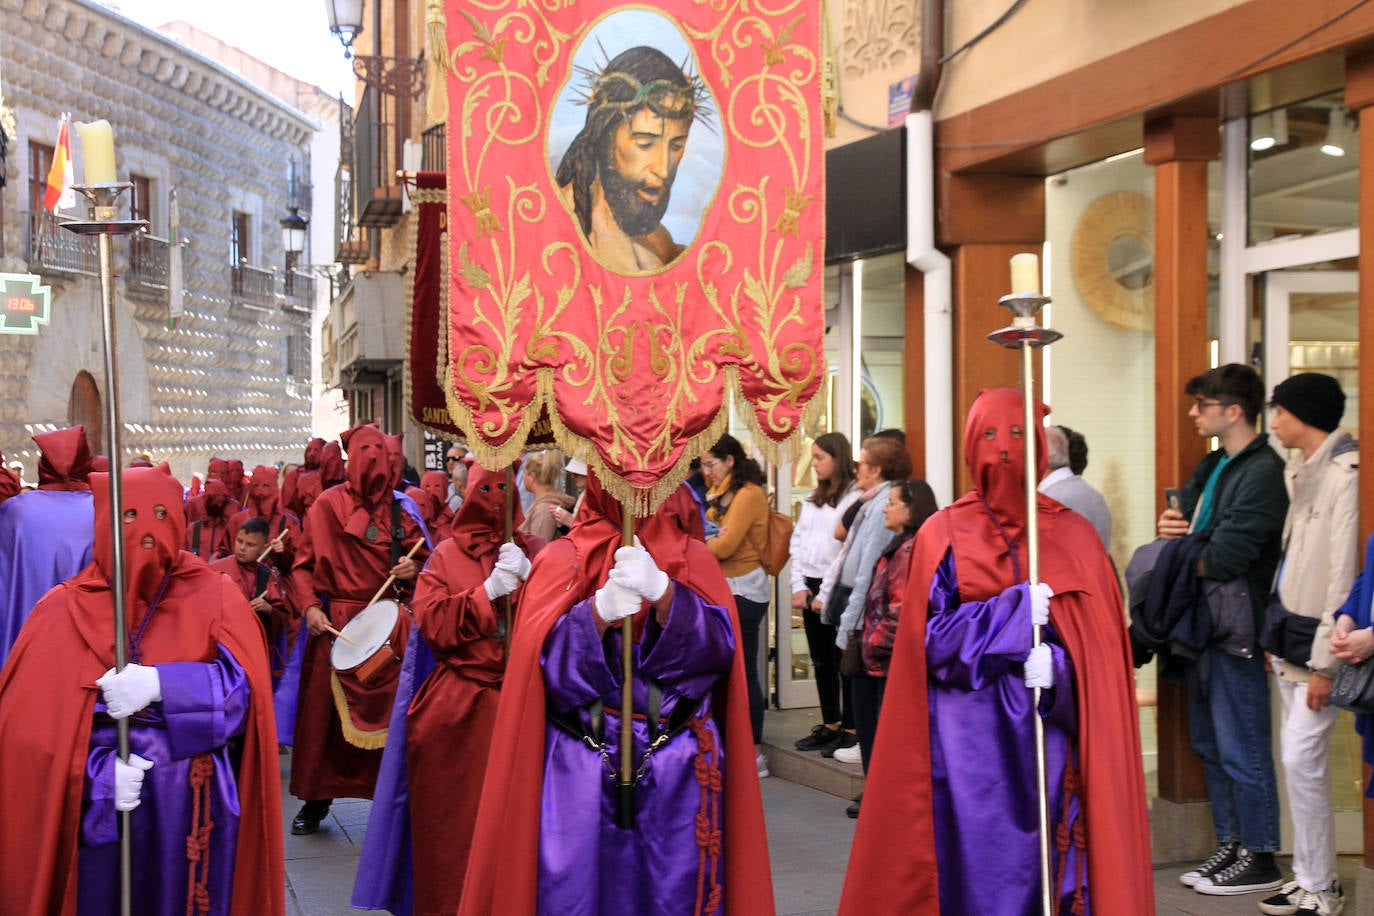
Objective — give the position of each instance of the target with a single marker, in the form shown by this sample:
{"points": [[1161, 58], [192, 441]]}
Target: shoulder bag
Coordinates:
{"points": [[1353, 688]]}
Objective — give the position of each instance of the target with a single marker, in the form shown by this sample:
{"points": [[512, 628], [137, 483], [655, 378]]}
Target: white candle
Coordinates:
{"points": [[1025, 274], [97, 152]]}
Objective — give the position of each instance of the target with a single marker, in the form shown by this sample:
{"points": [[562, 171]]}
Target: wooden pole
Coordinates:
{"points": [[625, 789]]}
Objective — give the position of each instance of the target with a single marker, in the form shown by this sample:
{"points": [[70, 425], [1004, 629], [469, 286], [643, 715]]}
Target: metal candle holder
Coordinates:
{"points": [[103, 222], [1027, 335]]}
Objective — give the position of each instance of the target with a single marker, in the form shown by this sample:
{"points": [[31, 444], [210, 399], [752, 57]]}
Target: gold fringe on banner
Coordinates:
{"points": [[830, 88], [435, 28]]}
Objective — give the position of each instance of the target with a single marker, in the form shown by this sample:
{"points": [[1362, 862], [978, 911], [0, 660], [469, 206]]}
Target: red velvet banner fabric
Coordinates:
{"points": [[636, 228]]}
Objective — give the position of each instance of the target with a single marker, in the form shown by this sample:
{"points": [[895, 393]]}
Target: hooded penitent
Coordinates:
{"points": [[954, 768], [313, 450], [61, 509], [221, 846], [64, 461]]}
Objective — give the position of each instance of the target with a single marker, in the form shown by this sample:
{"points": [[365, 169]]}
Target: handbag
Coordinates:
{"points": [[1287, 635], [852, 659], [1353, 687], [836, 603]]}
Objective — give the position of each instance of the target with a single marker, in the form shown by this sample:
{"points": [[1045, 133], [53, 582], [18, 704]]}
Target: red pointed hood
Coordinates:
{"points": [[395, 459], [331, 465], [154, 530], [314, 450], [436, 484], [369, 466], [263, 493], [64, 461], [995, 452], [218, 469]]}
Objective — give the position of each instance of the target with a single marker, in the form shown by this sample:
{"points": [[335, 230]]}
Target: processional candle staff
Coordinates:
{"points": [[102, 192], [1025, 334]]}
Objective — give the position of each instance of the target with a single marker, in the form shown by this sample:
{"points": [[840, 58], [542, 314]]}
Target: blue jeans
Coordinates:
{"points": [[1229, 728]]}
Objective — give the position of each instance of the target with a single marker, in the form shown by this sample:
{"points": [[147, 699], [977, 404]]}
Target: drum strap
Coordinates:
{"points": [[195, 538], [593, 733], [397, 533], [264, 574]]}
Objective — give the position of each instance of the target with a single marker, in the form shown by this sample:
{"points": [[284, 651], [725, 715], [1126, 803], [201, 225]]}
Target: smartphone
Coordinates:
{"points": [[1173, 499]]}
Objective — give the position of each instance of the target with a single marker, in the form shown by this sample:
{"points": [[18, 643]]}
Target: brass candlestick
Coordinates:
{"points": [[1026, 334], [103, 222]]}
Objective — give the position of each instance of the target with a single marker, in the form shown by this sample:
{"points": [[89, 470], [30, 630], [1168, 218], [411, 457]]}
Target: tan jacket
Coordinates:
{"points": [[743, 525], [1321, 543]]}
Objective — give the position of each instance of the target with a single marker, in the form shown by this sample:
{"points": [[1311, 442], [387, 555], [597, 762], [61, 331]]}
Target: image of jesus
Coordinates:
{"points": [[618, 172]]}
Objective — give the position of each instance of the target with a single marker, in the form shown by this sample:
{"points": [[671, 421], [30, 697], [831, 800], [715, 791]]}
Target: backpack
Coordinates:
{"points": [[776, 550]]}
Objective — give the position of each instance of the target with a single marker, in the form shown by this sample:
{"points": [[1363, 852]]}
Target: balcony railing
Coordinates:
{"points": [[376, 154], [252, 286], [149, 263], [49, 247], [299, 288], [433, 151]]}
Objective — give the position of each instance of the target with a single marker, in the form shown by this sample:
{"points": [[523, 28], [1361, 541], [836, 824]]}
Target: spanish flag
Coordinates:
{"points": [[59, 194]]}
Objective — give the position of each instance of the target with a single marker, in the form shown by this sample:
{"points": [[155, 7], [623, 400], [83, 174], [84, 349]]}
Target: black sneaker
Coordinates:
{"points": [[1251, 872], [1285, 902], [820, 736], [846, 739], [853, 809], [1224, 856]]}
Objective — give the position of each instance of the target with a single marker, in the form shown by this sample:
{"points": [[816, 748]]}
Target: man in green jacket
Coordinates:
{"points": [[1237, 495]]}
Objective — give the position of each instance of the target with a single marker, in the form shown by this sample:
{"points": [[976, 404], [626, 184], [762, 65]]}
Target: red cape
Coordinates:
{"points": [[1087, 614], [47, 698], [502, 875]]}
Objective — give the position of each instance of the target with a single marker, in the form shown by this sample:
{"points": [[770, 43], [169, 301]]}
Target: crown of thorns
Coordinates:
{"points": [[619, 91]]}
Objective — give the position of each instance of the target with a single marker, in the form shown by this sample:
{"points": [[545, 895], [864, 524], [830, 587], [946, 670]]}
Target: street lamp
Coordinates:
{"points": [[345, 21], [293, 232]]}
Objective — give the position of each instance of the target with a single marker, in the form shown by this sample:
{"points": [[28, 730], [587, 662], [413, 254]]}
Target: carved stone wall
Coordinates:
{"points": [[217, 383], [877, 34]]}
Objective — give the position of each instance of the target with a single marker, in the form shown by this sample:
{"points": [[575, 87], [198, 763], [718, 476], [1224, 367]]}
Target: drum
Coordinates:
{"points": [[366, 650]]}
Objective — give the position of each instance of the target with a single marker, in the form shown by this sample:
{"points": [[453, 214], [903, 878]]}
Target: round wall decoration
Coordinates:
{"points": [[1113, 259]]}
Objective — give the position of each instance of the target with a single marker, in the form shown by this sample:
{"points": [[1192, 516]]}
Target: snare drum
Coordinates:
{"points": [[367, 650]]}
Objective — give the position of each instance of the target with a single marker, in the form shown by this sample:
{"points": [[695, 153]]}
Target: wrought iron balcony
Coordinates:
{"points": [[378, 138], [433, 151], [149, 264], [299, 287], [50, 248], [252, 286]]}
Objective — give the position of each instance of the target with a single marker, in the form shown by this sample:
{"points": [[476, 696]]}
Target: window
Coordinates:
{"points": [[298, 356], [140, 198], [40, 161], [238, 239]]}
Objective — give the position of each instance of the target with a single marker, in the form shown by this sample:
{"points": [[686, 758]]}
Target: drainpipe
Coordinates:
{"points": [[934, 266]]}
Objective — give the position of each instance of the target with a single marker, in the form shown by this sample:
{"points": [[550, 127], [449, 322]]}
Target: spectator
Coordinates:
{"points": [[1315, 575], [737, 503], [456, 464], [1236, 496], [542, 472], [1352, 641], [882, 460], [575, 471], [1067, 486], [908, 505], [813, 548]]}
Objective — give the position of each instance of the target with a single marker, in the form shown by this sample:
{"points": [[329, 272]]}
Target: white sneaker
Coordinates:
{"points": [[849, 754], [762, 763], [1322, 903]]}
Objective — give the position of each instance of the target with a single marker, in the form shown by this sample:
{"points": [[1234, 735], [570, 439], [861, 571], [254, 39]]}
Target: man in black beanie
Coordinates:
{"points": [[1320, 556]]}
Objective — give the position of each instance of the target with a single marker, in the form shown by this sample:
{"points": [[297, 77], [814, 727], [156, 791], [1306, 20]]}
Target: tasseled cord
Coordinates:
{"points": [[435, 37]]}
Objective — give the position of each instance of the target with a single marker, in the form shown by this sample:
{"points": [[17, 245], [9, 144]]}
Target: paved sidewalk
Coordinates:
{"points": [[808, 840]]}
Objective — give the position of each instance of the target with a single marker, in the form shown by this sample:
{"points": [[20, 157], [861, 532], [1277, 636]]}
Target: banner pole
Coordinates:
{"points": [[625, 788]]}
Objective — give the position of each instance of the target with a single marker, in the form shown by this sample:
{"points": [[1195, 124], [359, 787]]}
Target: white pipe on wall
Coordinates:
{"points": [[922, 254]]}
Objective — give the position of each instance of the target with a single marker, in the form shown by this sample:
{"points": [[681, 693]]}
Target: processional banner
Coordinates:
{"points": [[636, 203]]}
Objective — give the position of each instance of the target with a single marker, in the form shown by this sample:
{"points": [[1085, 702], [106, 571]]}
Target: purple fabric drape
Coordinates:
{"points": [[985, 802], [204, 705], [654, 868], [45, 538]]}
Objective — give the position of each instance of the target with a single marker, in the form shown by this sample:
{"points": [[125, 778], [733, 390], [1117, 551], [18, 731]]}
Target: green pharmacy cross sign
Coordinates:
{"points": [[24, 303]]}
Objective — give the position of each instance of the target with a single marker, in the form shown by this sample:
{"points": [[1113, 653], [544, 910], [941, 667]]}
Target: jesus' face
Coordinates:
{"points": [[638, 168]]}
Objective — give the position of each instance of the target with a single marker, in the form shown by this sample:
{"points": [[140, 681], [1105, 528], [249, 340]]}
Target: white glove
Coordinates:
{"points": [[513, 559], [615, 602], [130, 690], [636, 571], [1039, 667], [129, 782], [500, 582], [1040, 595]]}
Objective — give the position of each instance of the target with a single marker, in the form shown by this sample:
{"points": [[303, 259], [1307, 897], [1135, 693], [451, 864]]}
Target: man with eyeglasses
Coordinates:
{"points": [[457, 470], [1236, 496]]}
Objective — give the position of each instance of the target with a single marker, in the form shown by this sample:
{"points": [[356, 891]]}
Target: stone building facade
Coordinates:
{"points": [[233, 376]]}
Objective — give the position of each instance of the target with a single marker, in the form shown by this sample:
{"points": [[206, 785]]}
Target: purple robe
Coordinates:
{"points": [[591, 867], [45, 538], [982, 749], [384, 879], [204, 705]]}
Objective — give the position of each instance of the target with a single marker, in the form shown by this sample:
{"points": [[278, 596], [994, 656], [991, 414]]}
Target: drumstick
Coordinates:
{"points": [[390, 579], [329, 629], [262, 556]]}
